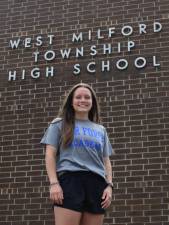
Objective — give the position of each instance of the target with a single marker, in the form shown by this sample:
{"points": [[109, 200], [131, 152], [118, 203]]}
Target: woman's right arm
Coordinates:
{"points": [[56, 193]]}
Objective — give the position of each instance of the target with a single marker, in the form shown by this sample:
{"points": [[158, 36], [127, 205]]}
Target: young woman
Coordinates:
{"points": [[77, 161]]}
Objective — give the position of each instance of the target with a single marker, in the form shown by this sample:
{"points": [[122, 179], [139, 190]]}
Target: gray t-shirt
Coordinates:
{"points": [[87, 150]]}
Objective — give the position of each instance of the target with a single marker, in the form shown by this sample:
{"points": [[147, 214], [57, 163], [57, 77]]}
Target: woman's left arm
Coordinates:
{"points": [[107, 194], [108, 169]]}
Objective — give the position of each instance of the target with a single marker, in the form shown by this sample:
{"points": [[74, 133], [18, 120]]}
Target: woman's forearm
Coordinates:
{"points": [[108, 169], [50, 160]]}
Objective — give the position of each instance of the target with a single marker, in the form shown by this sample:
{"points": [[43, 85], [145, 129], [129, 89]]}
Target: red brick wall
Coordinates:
{"points": [[134, 105]]}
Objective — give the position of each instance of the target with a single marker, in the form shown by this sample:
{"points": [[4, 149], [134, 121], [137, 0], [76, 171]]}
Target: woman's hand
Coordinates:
{"points": [[107, 197], [56, 194]]}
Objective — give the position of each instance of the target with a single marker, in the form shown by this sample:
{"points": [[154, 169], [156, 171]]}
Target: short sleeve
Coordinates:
{"points": [[108, 150], [52, 135]]}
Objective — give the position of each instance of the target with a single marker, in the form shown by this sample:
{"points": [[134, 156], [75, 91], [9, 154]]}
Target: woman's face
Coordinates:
{"points": [[82, 101]]}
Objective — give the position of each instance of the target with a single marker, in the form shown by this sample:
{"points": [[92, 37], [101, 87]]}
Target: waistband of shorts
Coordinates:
{"points": [[78, 172]]}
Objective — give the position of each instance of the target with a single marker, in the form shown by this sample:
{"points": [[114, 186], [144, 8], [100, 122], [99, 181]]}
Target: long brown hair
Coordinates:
{"points": [[68, 115]]}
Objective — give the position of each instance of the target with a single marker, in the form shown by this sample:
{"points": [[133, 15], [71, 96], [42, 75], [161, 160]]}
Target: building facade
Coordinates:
{"points": [[121, 48]]}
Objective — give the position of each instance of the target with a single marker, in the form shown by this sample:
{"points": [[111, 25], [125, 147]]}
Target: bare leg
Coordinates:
{"points": [[91, 219], [66, 216]]}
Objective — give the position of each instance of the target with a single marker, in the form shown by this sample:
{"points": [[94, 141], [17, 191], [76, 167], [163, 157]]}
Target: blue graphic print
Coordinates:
{"points": [[82, 138]]}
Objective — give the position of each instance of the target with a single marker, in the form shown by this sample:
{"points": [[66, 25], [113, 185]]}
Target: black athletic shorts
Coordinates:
{"points": [[82, 191]]}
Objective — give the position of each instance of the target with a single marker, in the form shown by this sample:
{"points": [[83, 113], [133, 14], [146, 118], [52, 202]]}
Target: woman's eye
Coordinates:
{"points": [[87, 97], [78, 97]]}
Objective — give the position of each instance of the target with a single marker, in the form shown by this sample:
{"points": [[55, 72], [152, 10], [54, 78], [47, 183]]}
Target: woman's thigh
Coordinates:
{"points": [[91, 219], [66, 216]]}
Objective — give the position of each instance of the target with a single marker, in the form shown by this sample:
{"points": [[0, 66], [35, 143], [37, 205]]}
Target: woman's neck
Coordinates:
{"points": [[81, 117]]}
